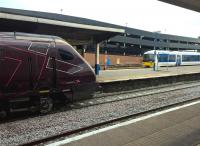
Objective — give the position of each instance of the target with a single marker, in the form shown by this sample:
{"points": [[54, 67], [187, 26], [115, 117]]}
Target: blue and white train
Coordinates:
{"points": [[171, 58]]}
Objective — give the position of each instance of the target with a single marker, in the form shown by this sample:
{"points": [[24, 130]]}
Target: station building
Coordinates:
{"points": [[127, 49], [119, 45]]}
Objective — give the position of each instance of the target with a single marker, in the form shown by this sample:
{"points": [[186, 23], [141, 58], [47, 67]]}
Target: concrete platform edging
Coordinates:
{"points": [[132, 84], [69, 140]]}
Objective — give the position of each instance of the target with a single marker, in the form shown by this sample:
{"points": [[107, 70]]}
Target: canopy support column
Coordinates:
{"points": [[97, 67]]}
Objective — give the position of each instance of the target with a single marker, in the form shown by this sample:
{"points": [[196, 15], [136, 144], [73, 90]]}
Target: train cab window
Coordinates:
{"points": [[65, 55], [148, 57]]}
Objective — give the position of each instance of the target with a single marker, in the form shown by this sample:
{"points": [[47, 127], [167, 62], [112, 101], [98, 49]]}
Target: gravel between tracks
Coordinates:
{"points": [[19, 132]]}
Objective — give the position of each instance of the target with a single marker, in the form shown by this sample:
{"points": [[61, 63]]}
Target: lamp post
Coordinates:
{"points": [[125, 34], [155, 67], [141, 37], [125, 37], [155, 60], [61, 11], [168, 55], [155, 56]]}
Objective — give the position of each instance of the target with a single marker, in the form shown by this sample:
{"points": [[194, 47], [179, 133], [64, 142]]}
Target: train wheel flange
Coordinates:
{"points": [[46, 105]]}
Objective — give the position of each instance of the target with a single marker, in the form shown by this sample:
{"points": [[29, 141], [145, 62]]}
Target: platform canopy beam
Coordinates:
{"points": [[76, 30], [188, 4]]}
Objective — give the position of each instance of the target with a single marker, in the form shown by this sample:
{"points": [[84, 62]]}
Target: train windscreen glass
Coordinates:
{"points": [[148, 57]]}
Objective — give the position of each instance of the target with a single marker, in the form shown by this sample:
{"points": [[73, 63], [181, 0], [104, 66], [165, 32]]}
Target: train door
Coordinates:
{"points": [[178, 60], [65, 71], [64, 67], [51, 66]]}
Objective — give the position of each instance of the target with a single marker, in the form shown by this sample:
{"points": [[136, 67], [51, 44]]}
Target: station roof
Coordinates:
{"points": [[188, 4], [74, 29], [78, 31]]}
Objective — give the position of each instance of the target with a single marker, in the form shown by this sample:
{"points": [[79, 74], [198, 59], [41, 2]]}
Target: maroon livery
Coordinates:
{"points": [[38, 69]]}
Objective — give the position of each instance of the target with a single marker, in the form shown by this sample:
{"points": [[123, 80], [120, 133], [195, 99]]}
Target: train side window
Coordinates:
{"points": [[172, 58], [163, 57], [196, 58], [65, 55], [189, 58], [185, 58]]}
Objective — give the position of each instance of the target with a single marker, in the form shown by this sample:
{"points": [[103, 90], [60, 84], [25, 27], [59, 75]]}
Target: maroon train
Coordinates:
{"points": [[36, 70]]}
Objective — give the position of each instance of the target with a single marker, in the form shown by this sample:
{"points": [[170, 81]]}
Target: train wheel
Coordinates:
{"points": [[46, 105]]}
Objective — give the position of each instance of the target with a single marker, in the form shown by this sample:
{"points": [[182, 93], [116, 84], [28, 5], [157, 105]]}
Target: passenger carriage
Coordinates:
{"points": [[171, 58]]}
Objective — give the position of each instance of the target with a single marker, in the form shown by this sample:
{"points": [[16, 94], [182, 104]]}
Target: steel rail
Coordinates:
{"points": [[138, 96], [76, 131], [144, 89], [78, 105]]}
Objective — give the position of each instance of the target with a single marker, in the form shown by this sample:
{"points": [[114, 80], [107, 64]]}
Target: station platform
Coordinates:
{"points": [[179, 126], [144, 73]]}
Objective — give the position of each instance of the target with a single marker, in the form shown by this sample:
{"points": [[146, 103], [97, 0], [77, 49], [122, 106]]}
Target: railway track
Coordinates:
{"points": [[103, 98], [142, 107], [95, 126], [119, 96]]}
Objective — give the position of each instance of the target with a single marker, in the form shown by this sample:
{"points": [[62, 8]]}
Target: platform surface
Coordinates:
{"points": [[142, 73], [180, 127]]}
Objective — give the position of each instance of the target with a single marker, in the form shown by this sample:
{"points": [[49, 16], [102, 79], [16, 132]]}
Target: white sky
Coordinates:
{"points": [[150, 15]]}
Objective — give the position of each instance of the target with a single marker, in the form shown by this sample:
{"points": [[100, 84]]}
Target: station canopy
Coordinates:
{"points": [[75, 30], [188, 4]]}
